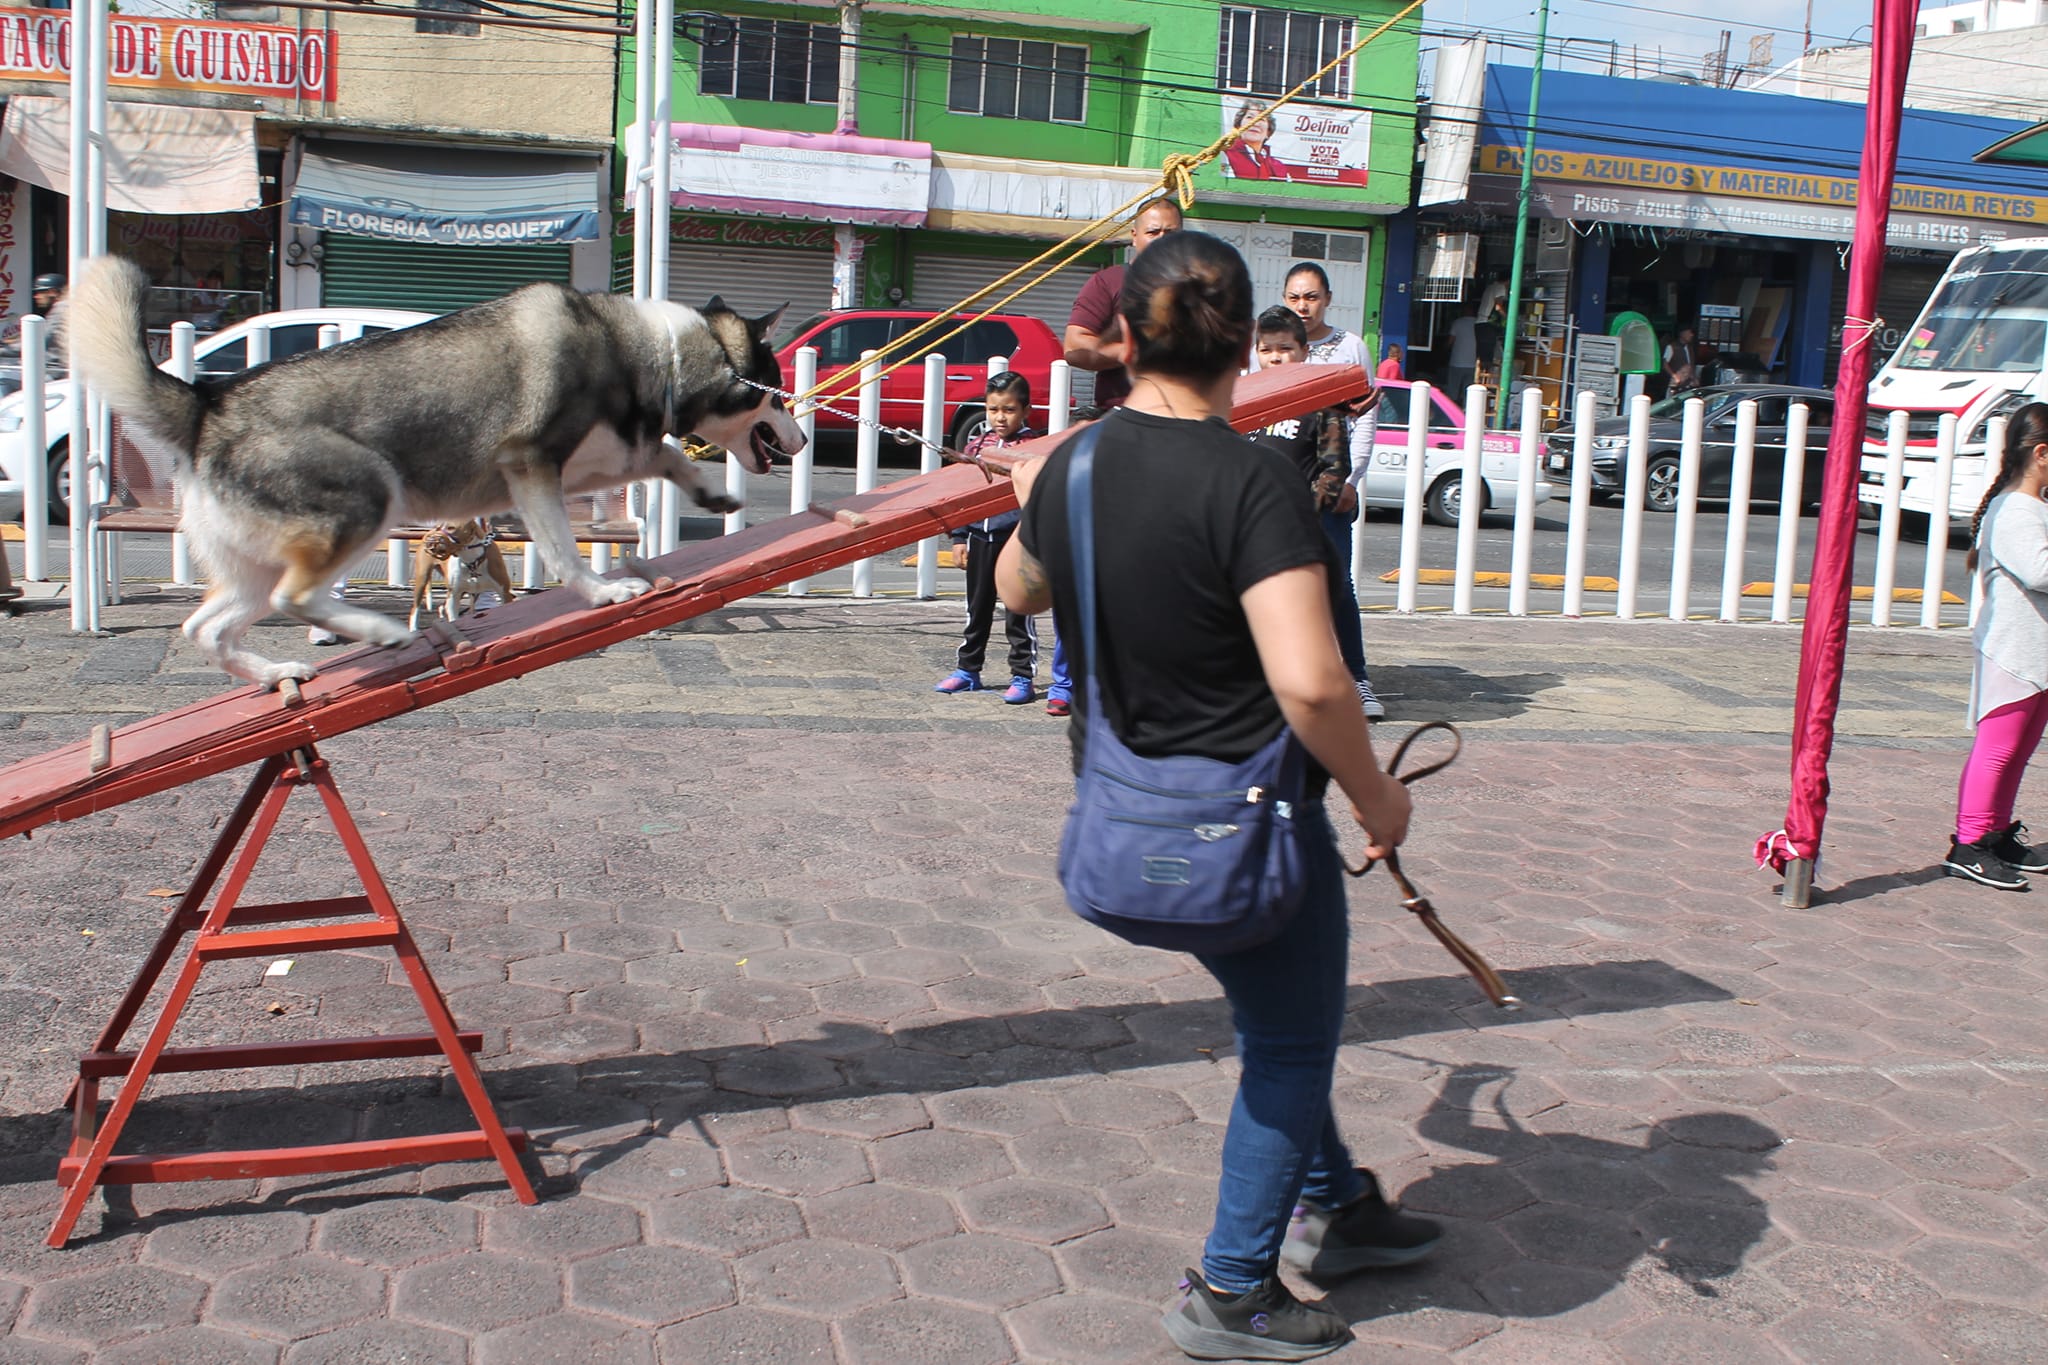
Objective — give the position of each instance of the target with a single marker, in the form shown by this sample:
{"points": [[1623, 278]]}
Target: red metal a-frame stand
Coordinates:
{"points": [[226, 931]]}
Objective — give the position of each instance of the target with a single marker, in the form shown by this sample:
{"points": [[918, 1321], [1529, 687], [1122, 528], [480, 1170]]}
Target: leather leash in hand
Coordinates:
{"points": [[1413, 899]]}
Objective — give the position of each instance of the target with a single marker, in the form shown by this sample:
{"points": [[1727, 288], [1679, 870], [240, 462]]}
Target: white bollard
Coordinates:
{"points": [[84, 563], [934, 432], [183, 338], [735, 487], [1740, 477], [1629, 571], [1059, 404], [1937, 524], [1471, 494], [1791, 504], [1412, 493], [35, 439], [1692, 437], [806, 459], [1888, 519], [1581, 505], [867, 457], [1525, 503], [1000, 364]]}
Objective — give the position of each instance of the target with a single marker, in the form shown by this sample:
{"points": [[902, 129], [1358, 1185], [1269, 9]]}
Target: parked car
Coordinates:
{"points": [[1385, 483], [1717, 450], [842, 336], [225, 352]]}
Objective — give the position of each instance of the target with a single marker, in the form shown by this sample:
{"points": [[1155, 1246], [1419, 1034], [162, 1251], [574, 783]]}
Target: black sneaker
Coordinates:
{"points": [[1978, 863], [2010, 844], [1266, 1323], [1365, 1234]]}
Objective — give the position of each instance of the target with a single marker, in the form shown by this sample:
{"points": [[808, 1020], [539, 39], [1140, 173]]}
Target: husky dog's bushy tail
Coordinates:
{"points": [[100, 327]]}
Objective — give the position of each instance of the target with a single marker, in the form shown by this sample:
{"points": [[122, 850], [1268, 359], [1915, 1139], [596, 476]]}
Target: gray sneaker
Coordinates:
{"points": [[1263, 1323], [1374, 708], [1978, 863], [1366, 1234]]}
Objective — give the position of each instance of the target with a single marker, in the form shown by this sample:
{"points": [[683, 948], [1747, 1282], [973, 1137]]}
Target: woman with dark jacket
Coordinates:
{"points": [[1215, 616]]}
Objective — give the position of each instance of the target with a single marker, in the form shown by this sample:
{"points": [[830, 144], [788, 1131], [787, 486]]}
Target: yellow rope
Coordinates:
{"points": [[1177, 176]]}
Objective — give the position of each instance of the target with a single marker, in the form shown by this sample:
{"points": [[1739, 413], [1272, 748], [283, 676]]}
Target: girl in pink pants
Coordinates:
{"points": [[2009, 686]]}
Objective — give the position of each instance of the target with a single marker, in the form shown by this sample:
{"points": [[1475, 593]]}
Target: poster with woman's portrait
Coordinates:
{"points": [[1319, 144]]}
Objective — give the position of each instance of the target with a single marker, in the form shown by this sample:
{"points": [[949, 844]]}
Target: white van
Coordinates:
{"points": [[1979, 350]]}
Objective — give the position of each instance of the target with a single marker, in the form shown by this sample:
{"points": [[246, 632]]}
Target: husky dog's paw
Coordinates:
{"points": [[273, 674], [387, 632], [717, 502], [606, 591]]}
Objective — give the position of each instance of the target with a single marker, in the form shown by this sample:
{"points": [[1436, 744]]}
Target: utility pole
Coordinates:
{"points": [[845, 245], [1514, 318]]}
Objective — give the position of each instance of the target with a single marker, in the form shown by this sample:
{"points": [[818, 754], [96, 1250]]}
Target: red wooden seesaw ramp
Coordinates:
{"points": [[280, 734]]}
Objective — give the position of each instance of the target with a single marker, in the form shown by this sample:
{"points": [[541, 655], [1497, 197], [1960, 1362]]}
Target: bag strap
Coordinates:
{"points": [[1081, 547]]}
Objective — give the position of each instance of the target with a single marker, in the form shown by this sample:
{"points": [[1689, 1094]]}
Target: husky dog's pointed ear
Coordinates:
{"points": [[717, 304], [764, 326]]}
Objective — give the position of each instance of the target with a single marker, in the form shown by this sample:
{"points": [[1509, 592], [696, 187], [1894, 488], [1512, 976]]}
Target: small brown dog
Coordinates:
{"points": [[468, 558]]}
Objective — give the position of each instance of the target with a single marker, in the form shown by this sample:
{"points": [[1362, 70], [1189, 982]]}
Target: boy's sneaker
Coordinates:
{"points": [[959, 680], [2012, 848], [1020, 690], [1375, 709], [1365, 1234], [1978, 863], [1058, 702], [321, 635], [1265, 1323]]}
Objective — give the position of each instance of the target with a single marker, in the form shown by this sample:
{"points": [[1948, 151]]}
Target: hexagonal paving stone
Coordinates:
{"points": [[797, 1163], [561, 1229], [187, 1346], [887, 1216], [480, 1292], [1133, 1265], [1079, 1155], [728, 1221], [297, 1295], [913, 1333], [1837, 1276], [828, 1278], [581, 1037], [1121, 1105], [397, 1232], [746, 1335], [981, 1271], [216, 1242], [1839, 1220], [651, 1286], [940, 1160], [104, 1306], [380, 1343], [565, 1339], [19, 1350], [1821, 1336], [1036, 1210], [1090, 1327], [999, 1112], [777, 1073], [1164, 1202], [1973, 1271], [861, 1116]]}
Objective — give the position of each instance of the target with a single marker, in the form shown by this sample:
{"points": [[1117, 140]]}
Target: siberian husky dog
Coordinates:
{"points": [[289, 472]]}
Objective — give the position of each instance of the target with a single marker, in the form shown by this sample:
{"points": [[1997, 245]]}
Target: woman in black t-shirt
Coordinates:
{"points": [[1215, 587]]}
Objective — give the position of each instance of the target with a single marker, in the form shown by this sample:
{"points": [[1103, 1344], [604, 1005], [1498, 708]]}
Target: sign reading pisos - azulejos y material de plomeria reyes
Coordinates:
{"points": [[175, 54]]}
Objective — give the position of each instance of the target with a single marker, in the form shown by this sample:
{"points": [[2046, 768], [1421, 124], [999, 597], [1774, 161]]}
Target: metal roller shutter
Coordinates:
{"points": [[752, 280], [942, 281], [365, 272]]}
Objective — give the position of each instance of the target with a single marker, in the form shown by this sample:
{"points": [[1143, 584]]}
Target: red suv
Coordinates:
{"points": [[840, 337]]}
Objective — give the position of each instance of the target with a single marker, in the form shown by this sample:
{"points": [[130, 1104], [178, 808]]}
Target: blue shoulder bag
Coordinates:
{"points": [[1183, 852]]}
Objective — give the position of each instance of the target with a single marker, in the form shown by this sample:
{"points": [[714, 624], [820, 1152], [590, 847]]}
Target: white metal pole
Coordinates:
{"points": [[183, 364], [1581, 504], [1525, 503], [96, 58], [35, 440], [1471, 494], [804, 461], [1412, 493], [639, 161], [1888, 520], [933, 429], [1740, 478], [1692, 436], [1629, 572], [1791, 503], [867, 455], [84, 572], [1059, 404], [660, 139], [1937, 523]]}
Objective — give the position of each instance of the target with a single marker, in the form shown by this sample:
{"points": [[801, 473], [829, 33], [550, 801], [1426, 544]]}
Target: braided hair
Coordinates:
{"points": [[2026, 429]]}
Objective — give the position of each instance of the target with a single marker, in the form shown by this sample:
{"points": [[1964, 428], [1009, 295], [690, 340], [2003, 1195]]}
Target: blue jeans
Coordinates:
{"points": [[1287, 1003], [1062, 681], [1350, 634]]}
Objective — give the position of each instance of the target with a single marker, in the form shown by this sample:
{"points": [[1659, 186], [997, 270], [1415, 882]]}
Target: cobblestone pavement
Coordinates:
{"points": [[764, 943]]}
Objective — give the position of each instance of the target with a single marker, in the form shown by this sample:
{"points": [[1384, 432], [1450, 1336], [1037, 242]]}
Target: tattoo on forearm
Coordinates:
{"points": [[1032, 574]]}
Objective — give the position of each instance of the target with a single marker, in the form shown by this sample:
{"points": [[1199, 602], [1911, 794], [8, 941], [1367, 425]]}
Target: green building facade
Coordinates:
{"points": [[1000, 130]]}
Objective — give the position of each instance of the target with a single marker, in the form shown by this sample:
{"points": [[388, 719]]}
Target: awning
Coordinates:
{"points": [[459, 196], [825, 177], [162, 158], [2027, 147], [1027, 198]]}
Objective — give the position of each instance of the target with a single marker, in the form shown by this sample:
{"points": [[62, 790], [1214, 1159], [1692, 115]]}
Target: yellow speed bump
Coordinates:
{"points": [[1948, 599], [1448, 578]]}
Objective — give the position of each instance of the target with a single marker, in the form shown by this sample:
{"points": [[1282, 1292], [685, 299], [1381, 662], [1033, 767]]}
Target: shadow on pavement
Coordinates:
{"points": [[1457, 694], [1876, 884], [1553, 1221]]}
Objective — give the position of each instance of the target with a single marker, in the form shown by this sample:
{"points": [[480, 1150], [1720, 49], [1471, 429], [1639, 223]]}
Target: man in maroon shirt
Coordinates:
{"points": [[1095, 334]]}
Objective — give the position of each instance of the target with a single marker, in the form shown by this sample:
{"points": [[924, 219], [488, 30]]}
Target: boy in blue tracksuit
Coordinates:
{"points": [[1009, 408]]}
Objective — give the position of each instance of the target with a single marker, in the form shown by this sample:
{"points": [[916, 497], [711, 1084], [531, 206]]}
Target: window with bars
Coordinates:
{"points": [[1266, 51], [1013, 78], [455, 26], [782, 60]]}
